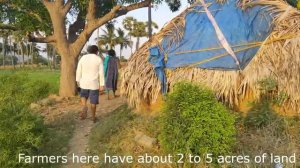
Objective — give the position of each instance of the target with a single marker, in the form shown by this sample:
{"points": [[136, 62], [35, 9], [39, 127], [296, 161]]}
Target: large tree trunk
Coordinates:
{"points": [[67, 77]]}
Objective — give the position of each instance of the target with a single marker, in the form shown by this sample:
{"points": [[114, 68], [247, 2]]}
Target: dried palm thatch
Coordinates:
{"points": [[279, 59]]}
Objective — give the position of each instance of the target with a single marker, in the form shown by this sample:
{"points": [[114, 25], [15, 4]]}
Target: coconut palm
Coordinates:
{"points": [[123, 40], [128, 24], [150, 28], [109, 37], [140, 29]]}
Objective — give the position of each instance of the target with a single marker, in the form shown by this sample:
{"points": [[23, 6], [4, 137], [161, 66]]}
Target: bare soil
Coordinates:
{"points": [[79, 143]]}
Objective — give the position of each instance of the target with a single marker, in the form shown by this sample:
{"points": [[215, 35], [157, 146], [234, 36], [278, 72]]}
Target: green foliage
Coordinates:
{"points": [[269, 88], [262, 115], [193, 121], [27, 15], [18, 89], [268, 84], [20, 130], [137, 28]]}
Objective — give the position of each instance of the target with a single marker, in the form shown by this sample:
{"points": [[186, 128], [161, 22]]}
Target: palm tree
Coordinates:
{"points": [[150, 28], [123, 40], [109, 37], [128, 24], [140, 29]]}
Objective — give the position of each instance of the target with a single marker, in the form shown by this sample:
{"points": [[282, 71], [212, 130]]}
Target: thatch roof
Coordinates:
{"points": [[279, 59]]}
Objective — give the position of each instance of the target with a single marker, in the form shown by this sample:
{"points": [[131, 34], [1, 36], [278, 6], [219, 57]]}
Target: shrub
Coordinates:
{"points": [[20, 130], [194, 122], [262, 115]]}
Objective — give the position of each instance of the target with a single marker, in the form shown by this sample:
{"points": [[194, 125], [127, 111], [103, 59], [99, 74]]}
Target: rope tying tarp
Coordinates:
{"points": [[219, 33], [258, 43], [250, 45]]}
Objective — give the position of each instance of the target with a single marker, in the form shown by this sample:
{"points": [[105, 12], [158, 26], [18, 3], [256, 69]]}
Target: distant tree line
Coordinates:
{"points": [[16, 50]]}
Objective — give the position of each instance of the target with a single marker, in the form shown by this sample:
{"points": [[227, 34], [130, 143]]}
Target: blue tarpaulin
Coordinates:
{"points": [[200, 46]]}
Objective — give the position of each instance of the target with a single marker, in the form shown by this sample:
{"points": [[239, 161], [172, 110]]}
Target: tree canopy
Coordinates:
{"points": [[33, 16]]}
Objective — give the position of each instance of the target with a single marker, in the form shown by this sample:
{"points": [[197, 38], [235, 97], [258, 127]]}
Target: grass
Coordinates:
{"points": [[115, 135], [59, 133], [108, 126], [270, 139], [55, 135], [50, 76]]}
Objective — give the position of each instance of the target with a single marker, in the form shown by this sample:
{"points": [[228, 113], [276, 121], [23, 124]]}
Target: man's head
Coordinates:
{"points": [[112, 53], [93, 49]]}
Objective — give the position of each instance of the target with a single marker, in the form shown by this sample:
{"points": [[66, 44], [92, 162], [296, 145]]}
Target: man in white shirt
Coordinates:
{"points": [[90, 79]]}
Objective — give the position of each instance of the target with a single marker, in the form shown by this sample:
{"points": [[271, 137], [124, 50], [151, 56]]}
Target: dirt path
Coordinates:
{"points": [[79, 143]]}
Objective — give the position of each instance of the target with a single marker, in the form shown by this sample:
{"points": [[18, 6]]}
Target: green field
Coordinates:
{"points": [[49, 76], [22, 129]]}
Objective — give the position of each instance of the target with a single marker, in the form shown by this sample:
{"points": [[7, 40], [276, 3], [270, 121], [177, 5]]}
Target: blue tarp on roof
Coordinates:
{"points": [[240, 28]]}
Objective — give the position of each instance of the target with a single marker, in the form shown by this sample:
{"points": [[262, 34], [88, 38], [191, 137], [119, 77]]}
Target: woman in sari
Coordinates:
{"points": [[111, 73]]}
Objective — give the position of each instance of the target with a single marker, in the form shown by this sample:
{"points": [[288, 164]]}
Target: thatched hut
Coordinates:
{"points": [[278, 56]]}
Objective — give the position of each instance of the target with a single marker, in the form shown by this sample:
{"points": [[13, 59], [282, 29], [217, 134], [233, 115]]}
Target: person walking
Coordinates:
{"points": [[90, 79], [111, 73]]}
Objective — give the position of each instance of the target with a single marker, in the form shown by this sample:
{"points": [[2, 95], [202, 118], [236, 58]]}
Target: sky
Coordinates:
{"points": [[161, 14]]}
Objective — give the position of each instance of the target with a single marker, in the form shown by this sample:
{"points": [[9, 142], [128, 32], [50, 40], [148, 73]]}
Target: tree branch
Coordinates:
{"points": [[75, 28], [48, 39], [132, 7], [91, 11], [46, 3], [67, 7], [93, 23], [60, 2], [119, 11]]}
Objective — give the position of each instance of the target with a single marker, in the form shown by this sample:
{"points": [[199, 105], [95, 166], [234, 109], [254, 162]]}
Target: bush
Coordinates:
{"points": [[261, 115], [194, 122], [20, 130]]}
